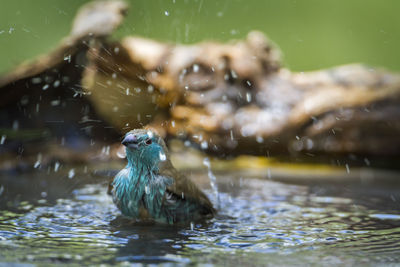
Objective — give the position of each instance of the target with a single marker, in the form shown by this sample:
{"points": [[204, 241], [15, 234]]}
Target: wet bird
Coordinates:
{"points": [[150, 188]]}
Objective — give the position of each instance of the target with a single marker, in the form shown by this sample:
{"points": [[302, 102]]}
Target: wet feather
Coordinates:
{"points": [[149, 187]]}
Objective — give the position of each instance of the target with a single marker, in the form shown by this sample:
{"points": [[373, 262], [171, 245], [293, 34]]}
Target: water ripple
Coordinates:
{"points": [[259, 221]]}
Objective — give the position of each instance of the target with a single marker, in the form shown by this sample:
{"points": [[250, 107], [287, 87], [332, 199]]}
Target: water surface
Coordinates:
{"points": [[51, 217]]}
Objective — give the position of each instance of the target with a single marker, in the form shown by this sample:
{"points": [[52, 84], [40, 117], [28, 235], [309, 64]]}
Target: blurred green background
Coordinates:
{"points": [[312, 34]]}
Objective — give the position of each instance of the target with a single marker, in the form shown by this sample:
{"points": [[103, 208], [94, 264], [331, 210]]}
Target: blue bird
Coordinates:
{"points": [[150, 188]]}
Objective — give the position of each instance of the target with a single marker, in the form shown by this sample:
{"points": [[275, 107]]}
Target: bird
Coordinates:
{"points": [[149, 188]]}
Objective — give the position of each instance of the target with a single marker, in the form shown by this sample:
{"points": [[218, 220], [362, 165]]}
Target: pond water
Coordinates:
{"points": [[56, 217]]}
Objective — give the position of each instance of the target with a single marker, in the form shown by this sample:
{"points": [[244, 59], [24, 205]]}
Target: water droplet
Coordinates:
{"points": [[37, 164], [162, 156], [204, 145], [15, 125], [71, 173], [36, 80], [56, 83], [43, 194], [24, 100], [166, 13], [150, 89], [55, 102], [67, 58], [121, 153], [259, 139], [45, 87], [105, 150], [191, 226], [147, 189], [309, 144], [347, 168], [3, 139], [116, 50], [233, 74], [367, 162], [248, 97], [56, 166], [183, 195], [196, 68]]}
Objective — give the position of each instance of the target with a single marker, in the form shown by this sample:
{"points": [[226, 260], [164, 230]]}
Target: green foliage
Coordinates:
{"points": [[312, 34]]}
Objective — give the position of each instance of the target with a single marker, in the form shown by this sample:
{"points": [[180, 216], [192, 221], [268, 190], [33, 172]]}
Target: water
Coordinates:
{"points": [[47, 217]]}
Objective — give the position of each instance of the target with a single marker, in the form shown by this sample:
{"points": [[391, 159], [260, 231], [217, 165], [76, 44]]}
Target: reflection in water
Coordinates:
{"points": [[149, 243], [75, 221]]}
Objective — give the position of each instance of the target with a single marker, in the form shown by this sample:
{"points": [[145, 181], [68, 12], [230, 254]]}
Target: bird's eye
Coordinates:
{"points": [[148, 141]]}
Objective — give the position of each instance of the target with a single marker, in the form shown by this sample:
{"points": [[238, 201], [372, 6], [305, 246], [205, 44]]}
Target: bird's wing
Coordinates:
{"points": [[184, 190], [122, 174]]}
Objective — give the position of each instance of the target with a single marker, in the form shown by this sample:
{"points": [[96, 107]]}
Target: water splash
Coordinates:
{"points": [[162, 156], [71, 173], [37, 164], [3, 139], [213, 181], [105, 150], [204, 145], [121, 152], [248, 97], [38, 161], [347, 168]]}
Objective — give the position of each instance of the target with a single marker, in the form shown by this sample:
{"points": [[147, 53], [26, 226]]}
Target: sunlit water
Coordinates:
{"points": [[52, 218]]}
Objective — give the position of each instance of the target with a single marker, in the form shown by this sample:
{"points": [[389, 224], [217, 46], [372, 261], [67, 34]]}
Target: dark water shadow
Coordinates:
{"points": [[152, 243]]}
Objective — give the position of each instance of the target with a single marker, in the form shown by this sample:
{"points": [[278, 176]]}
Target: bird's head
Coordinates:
{"points": [[145, 146]]}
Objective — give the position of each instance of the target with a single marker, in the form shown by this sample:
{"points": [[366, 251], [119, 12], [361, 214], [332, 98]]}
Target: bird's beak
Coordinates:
{"points": [[130, 141]]}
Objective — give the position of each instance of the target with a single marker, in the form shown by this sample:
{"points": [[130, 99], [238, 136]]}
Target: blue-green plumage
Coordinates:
{"points": [[150, 188]]}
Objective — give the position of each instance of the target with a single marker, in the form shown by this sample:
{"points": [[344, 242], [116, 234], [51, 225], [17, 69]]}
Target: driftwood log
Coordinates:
{"points": [[232, 98]]}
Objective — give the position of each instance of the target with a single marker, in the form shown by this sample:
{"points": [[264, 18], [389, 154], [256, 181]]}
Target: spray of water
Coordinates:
{"points": [[213, 180]]}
